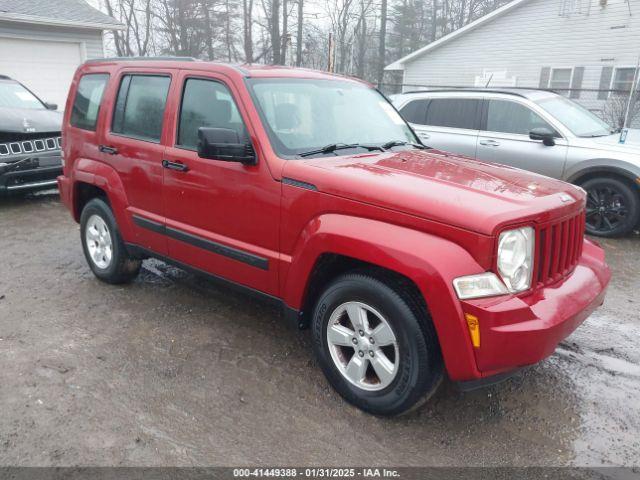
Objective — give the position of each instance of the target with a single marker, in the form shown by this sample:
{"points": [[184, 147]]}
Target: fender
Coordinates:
{"points": [[603, 165], [429, 261], [106, 178]]}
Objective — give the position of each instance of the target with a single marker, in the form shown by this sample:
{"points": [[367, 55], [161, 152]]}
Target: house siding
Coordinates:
{"points": [[534, 35], [90, 40]]}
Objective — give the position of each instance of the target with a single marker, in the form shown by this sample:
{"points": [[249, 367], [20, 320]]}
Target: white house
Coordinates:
{"points": [[42, 42], [558, 44]]}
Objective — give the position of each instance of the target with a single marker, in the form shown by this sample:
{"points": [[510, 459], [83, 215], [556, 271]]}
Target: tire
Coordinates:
{"points": [[613, 207], [415, 354], [107, 256]]}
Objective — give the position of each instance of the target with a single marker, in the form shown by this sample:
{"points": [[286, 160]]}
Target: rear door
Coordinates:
{"points": [[446, 123], [505, 138], [133, 146]]}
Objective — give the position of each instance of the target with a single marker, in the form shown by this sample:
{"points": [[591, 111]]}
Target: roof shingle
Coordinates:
{"points": [[64, 12]]}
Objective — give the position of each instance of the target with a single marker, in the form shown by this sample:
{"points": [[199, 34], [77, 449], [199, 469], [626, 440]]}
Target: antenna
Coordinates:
{"points": [[489, 81]]}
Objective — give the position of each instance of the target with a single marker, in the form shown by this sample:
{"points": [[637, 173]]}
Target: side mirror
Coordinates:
{"points": [[543, 134], [51, 106], [224, 144]]}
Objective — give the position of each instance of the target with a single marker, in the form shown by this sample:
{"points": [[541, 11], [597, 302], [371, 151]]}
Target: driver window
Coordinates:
{"points": [[206, 103], [510, 117]]}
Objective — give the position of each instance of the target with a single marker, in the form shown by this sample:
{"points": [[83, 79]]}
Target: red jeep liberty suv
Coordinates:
{"points": [[310, 190]]}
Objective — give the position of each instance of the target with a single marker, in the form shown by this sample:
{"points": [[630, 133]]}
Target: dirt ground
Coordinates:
{"points": [[174, 370]]}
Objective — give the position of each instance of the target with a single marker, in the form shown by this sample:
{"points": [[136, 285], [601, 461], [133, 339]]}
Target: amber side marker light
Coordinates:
{"points": [[474, 329]]}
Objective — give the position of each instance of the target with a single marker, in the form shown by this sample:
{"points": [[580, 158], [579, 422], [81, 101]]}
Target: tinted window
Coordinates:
{"points": [[453, 112], [206, 103], [510, 117], [86, 105], [415, 111], [140, 106]]}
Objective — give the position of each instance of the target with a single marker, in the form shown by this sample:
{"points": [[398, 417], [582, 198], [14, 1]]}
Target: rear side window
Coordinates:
{"points": [[86, 105], [415, 111], [140, 106], [206, 103], [453, 112]]}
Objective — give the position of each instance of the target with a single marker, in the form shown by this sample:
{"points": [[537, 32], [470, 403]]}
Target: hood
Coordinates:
{"points": [[442, 187], [612, 142], [28, 120]]}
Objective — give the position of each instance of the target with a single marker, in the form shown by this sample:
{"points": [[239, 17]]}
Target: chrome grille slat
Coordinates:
{"points": [[30, 146]]}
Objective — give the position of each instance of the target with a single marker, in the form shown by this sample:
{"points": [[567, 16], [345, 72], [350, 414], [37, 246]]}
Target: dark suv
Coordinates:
{"points": [[29, 140]]}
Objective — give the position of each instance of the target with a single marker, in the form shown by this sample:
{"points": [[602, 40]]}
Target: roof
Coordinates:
{"points": [[399, 64], [246, 70], [71, 13]]}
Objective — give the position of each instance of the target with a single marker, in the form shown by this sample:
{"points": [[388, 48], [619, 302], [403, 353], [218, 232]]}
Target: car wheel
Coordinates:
{"points": [[612, 207], [373, 347], [102, 244]]}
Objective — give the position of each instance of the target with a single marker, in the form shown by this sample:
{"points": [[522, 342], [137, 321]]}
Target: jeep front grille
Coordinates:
{"points": [[30, 146], [559, 247]]}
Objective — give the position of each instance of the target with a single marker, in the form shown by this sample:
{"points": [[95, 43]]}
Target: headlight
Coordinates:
{"points": [[515, 258], [481, 285]]}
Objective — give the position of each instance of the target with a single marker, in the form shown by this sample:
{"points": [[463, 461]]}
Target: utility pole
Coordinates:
{"points": [[631, 93]]}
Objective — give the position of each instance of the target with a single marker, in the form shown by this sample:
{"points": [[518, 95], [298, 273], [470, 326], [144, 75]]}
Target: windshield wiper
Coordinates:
{"points": [[398, 143], [332, 147]]}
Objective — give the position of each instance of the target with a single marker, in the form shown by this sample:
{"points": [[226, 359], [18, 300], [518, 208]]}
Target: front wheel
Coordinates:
{"points": [[613, 207], [373, 347]]}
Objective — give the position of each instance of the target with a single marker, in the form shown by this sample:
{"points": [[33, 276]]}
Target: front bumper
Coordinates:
{"points": [[520, 331], [37, 175]]}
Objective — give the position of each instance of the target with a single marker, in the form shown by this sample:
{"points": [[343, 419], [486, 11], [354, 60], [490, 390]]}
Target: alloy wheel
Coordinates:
{"points": [[606, 209], [98, 240], [363, 346]]}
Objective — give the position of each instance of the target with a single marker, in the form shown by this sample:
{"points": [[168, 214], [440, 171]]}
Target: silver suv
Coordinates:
{"points": [[539, 131]]}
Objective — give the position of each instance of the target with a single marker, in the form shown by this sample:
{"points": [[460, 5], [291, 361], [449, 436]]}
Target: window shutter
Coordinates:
{"points": [[576, 82], [544, 77], [605, 82]]}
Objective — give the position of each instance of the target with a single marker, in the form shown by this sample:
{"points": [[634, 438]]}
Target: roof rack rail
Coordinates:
{"points": [[142, 59], [509, 91]]}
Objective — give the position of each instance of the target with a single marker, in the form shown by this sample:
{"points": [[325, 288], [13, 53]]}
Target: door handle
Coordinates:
{"points": [[424, 135], [109, 150], [490, 143], [177, 166]]}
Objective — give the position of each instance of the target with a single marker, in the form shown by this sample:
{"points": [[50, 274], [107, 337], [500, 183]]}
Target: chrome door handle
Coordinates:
{"points": [[108, 150], [490, 143], [177, 166]]}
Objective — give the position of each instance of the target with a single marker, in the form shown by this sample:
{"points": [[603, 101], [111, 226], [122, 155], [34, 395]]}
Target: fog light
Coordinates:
{"points": [[474, 329]]}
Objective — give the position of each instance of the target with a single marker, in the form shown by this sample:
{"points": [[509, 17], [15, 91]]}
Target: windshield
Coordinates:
{"points": [[304, 116], [14, 95], [580, 121]]}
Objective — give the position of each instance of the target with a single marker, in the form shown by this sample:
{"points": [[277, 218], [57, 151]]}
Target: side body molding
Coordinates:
{"points": [[429, 261]]}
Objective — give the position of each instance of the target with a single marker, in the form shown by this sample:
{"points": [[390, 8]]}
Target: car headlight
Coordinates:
{"points": [[515, 258], [481, 285]]}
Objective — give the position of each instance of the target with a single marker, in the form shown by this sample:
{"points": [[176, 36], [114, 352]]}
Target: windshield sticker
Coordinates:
{"points": [[393, 115], [24, 96]]}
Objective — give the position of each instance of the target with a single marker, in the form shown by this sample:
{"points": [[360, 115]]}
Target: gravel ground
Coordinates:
{"points": [[173, 370]]}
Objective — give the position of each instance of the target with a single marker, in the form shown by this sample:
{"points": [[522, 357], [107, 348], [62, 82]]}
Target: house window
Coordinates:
{"points": [[623, 79], [560, 79]]}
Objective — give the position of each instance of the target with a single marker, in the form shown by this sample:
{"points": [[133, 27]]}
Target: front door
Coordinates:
{"points": [[221, 217], [505, 139]]}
